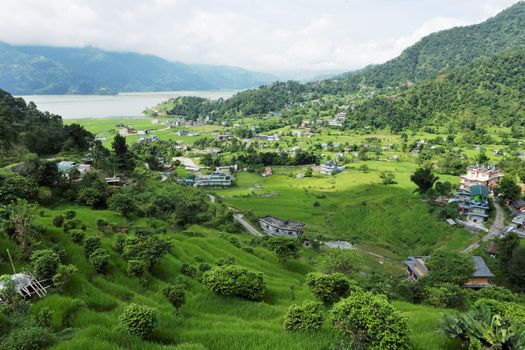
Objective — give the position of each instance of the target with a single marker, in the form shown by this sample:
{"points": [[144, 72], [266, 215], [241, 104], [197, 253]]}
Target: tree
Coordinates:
{"points": [[139, 320], [482, 157], [308, 316], [123, 159], [505, 247], [516, 267], [449, 267], [308, 172], [424, 179], [44, 263], [370, 322], [387, 177], [28, 338], [99, 258], [91, 244], [137, 267], [176, 295], [339, 260], [231, 280], [63, 275], [148, 248], [123, 203], [328, 288], [285, 248], [508, 188]]}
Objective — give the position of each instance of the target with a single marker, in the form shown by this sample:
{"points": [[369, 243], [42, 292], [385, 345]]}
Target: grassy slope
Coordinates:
{"points": [[93, 302]]}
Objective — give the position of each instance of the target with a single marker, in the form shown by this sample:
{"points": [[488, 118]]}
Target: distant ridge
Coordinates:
{"points": [[26, 70]]}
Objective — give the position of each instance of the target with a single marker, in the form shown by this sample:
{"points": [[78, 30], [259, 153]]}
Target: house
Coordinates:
{"points": [[518, 205], [155, 121], [474, 203], [215, 179], [278, 227], [126, 130], [416, 269], [183, 133], [488, 176], [66, 167], [143, 132], [330, 168], [115, 181], [267, 171], [222, 138]]}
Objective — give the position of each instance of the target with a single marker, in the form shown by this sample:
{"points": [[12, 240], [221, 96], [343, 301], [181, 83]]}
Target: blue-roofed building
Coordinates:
{"points": [[474, 202], [416, 269]]}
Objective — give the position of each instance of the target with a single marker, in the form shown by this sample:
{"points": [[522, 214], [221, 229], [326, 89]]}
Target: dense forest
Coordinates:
{"points": [[485, 92], [39, 132]]}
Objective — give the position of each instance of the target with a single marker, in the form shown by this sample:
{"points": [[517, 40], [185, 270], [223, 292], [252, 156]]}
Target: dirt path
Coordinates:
{"points": [[249, 227], [495, 229]]}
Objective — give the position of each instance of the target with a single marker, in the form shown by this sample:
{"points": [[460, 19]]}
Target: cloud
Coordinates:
{"points": [[265, 35]]}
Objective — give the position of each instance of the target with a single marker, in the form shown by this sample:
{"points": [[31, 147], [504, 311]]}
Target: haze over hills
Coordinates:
{"points": [[26, 70]]}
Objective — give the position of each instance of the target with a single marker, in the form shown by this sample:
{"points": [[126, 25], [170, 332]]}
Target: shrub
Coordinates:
{"points": [[445, 295], [70, 214], [139, 320], [136, 267], [76, 235], [120, 241], [63, 276], [204, 267], [309, 316], [91, 244], [235, 241], [43, 317], [188, 270], [29, 338], [99, 258], [103, 226], [44, 263], [71, 224], [328, 288], [58, 220], [176, 295], [231, 280], [496, 293], [370, 322], [338, 260], [248, 249]]}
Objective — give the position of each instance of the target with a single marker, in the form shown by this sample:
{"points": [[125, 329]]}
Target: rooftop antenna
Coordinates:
{"points": [[11, 260]]}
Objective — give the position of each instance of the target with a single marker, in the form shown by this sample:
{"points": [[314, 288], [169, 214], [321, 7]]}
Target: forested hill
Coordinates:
{"points": [[454, 47], [490, 91], [26, 70], [23, 125]]}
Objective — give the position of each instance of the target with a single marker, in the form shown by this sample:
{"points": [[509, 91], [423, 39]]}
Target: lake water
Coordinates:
{"points": [[121, 105]]}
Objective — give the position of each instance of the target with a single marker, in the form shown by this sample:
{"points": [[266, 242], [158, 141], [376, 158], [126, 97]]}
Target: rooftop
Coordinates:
{"points": [[287, 225]]}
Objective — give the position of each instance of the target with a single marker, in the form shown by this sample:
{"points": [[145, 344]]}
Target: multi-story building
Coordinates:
{"points": [[329, 168], [215, 179], [488, 176], [474, 202], [278, 227]]}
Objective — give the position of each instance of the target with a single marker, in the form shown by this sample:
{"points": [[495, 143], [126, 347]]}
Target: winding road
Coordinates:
{"points": [[495, 229], [249, 227]]}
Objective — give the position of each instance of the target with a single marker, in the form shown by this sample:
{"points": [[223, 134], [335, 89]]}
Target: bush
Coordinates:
{"points": [[103, 226], [63, 276], [71, 224], [309, 316], [445, 295], [175, 295], [370, 322], [58, 220], [328, 288], [339, 260], [496, 293], [204, 267], [70, 214], [188, 270], [29, 338], [248, 249], [44, 263], [139, 320], [43, 317], [231, 280], [99, 258], [136, 267], [76, 235], [91, 244]]}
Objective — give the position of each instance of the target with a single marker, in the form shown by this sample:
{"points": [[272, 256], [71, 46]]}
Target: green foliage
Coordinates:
{"points": [[370, 322], [58, 220], [507, 188], [308, 316], [91, 244], [339, 260], [123, 203], [63, 275], [328, 288], [99, 258], [516, 267], [139, 320], [496, 293], [231, 280], [44, 263], [77, 236], [424, 179], [175, 294], [445, 295], [285, 248], [28, 338], [70, 214], [449, 267], [13, 186], [482, 329], [149, 248], [387, 177], [136, 267]]}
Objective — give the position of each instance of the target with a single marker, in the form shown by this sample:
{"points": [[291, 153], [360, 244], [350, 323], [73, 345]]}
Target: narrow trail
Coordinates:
{"points": [[240, 219], [495, 229]]}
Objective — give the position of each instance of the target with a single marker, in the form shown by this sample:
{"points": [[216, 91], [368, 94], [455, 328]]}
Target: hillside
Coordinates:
{"points": [[454, 47], [486, 92], [28, 70]]}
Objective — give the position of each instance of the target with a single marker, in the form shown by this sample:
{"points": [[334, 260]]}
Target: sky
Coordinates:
{"points": [[291, 37]]}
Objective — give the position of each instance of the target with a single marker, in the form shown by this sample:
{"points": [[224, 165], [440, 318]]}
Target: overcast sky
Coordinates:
{"points": [[263, 35]]}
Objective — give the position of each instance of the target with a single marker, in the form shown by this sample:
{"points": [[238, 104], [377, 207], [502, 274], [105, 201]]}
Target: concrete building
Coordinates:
{"points": [[330, 168], [215, 179], [488, 176], [278, 227]]}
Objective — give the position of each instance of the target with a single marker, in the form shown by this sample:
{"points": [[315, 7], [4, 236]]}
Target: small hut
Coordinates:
{"points": [[25, 285]]}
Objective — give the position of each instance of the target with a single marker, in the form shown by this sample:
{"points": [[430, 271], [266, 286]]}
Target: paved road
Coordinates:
{"points": [[211, 197], [495, 229], [249, 227]]}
